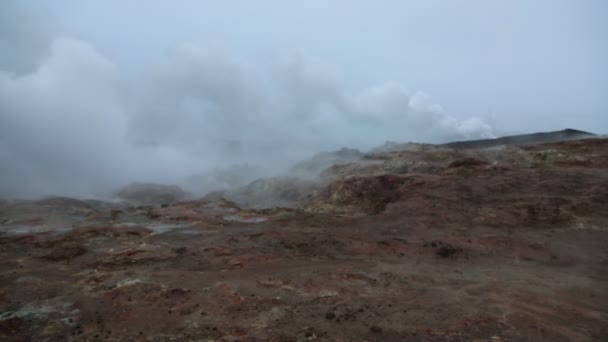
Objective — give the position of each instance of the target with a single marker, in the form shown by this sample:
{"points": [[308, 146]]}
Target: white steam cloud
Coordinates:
{"points": [[78, 124]]}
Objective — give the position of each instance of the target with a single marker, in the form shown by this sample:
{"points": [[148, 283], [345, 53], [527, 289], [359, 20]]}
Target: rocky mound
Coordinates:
{"points": [[541, 184], [366, 179]]}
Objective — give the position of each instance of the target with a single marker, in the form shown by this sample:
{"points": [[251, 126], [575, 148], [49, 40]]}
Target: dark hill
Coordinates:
{"points": [[523, 139]]}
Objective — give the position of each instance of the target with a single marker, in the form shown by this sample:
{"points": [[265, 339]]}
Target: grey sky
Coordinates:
{"points": [[94, 94], [532, 64]]}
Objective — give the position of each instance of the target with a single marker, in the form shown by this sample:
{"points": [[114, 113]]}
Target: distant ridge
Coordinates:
{"points": [[523, 139]]}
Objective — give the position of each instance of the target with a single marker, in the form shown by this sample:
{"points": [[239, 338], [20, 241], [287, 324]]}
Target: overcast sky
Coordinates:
{"points": [[520, 60], [188, 80]]}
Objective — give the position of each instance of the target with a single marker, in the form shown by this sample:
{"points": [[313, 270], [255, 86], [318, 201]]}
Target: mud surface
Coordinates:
{"points": [[415, 243]]}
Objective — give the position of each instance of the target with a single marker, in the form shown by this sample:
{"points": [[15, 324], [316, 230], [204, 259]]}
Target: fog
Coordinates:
{"points": [[97, 94]]}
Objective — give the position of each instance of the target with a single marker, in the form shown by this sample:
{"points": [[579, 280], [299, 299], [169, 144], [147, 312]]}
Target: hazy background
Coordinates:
{"points": [[95, 94]]}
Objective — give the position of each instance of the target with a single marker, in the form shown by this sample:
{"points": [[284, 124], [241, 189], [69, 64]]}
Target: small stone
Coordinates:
{"points": [[375, 329]]}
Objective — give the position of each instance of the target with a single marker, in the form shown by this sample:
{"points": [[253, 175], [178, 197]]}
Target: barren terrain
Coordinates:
{"points": [[407, 243]]}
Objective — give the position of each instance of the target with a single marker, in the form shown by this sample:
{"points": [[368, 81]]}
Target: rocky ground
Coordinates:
{"points": [[406, 243]]}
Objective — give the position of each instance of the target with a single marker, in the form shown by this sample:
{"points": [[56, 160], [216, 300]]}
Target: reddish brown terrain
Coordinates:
{"points": [[408, 243]]}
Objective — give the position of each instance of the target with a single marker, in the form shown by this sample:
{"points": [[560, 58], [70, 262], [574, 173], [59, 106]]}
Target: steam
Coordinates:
{"points": [[79, 124]]}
